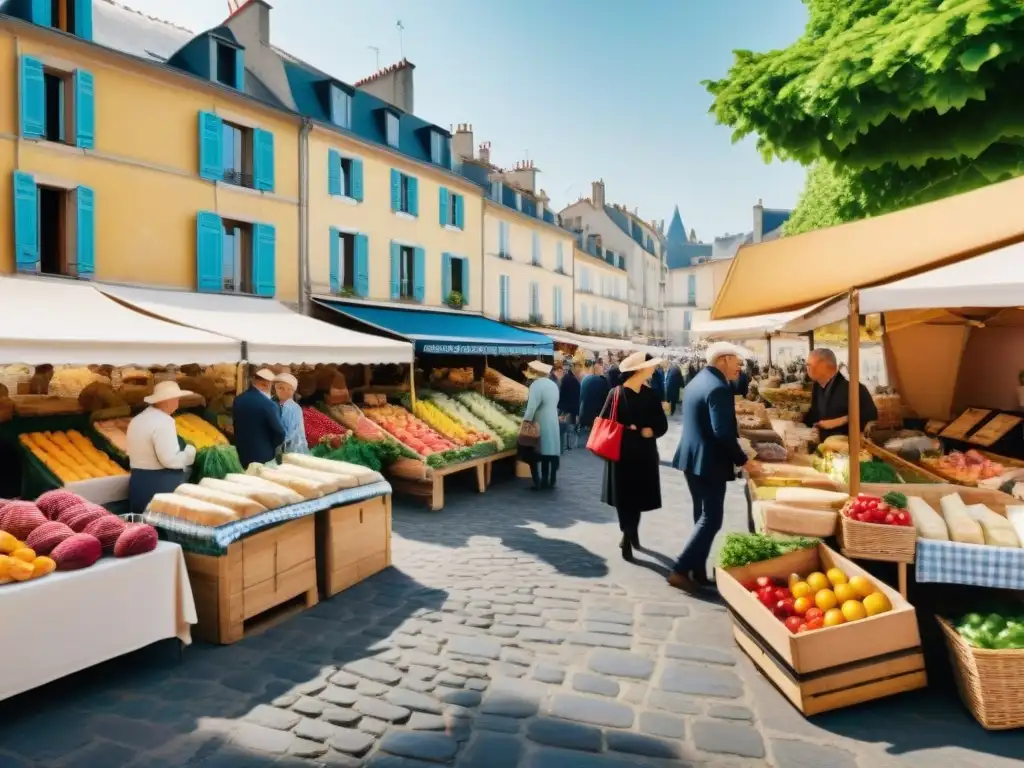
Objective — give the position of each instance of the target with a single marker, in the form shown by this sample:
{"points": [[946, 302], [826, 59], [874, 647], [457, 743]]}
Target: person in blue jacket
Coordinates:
{"points": [[569, 404], [259, 432], [673, 387], [593, 392], [658, 381]]}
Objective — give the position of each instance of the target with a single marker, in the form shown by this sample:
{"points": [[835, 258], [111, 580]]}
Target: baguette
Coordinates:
{"points": [[266, 485], [331, 482], [244, 506], [308, 489], [363, 475], [269, 499], [192, 510]]}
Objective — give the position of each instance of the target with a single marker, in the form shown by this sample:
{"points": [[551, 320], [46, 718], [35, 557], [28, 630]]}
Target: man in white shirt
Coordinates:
{"points": [[157, 464]]}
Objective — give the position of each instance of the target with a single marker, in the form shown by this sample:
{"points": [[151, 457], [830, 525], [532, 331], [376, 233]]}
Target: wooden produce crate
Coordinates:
{"points": [[353, 543], [833, 667], [258, 573], [901, 465]]}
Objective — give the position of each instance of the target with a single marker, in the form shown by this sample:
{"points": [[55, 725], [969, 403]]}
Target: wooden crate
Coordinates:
{"points": [[353, 543], [258, 573], [834, 687]]}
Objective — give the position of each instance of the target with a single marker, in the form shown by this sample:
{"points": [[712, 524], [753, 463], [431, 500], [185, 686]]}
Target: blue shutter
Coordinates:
{"points": [[396, 270], [419, 278], [335, 267], [26, 223], [83, 19], [460, 211], [264, 245], [86, 232], [357, 180], [40, 12], [362, 264], [443, 205], [554, 305], [583, 316], [333, 172], [85, 110], [414, 196], [209, 253], [396, 190], [263, 160], [211, 138], [33, 98], [465, 280], [240, 69], [446, 275]]}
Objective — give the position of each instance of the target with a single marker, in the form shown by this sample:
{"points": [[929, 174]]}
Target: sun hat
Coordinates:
{"points": [[539, 368], [287, 378], [166, 390], [637, 362], [724, 349], [266, 374]]}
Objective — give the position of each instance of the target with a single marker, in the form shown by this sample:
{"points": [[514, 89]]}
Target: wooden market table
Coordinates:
{"points": [[432, 486]]}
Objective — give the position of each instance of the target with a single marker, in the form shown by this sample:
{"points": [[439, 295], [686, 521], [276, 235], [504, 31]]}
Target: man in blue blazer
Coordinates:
{"points": [[708, 454], [259, 432]]}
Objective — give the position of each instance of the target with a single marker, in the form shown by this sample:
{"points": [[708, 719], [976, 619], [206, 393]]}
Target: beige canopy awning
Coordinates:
{"points": [[792, 272]]}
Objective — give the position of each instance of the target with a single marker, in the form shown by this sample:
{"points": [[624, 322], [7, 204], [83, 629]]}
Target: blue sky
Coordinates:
{"points": [[586, 89]]}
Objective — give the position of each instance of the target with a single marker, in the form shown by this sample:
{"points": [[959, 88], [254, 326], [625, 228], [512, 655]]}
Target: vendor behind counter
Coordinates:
{"points": [[157, 464], [830, 397]]}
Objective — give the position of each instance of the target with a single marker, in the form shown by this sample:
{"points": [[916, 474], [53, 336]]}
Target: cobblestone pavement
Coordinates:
{"points": [[508, 634]]}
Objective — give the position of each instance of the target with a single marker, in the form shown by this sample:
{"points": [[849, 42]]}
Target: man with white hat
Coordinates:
{"points": [[259, 432], [157, 465], [708, 454], [291, 414]]}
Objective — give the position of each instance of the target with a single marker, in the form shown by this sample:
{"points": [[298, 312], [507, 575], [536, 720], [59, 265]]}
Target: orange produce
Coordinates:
{"points": [[801, 589], [854, 610], [24, 553], [801, 604], [834, 617], [825, 599], [42, 566]]}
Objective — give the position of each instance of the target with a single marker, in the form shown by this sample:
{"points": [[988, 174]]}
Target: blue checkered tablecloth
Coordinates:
{"points": [[950, 562]]}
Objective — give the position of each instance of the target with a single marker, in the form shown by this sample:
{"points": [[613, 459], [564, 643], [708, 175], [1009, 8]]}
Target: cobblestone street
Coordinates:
{"points": [[509, 633]]}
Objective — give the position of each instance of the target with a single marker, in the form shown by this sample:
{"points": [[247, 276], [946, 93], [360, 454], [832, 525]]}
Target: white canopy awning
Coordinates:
{"points": [[273, 333], [60, 322], [759, 326]]}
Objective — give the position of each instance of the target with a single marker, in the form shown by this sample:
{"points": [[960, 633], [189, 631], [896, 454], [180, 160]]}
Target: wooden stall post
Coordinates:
{"points": [[768, 338], [483, 379], [853, 335], [412, 382]]}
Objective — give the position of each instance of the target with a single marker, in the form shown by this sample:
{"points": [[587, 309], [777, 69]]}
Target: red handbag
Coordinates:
{"points": [[606, 435]]}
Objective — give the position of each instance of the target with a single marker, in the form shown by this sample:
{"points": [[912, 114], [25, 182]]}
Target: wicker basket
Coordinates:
{"points": [[874, 541], [991, 683], [890, 411]]}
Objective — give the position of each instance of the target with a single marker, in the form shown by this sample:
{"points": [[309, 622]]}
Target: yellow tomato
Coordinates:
{"points": [[801, 604], [834, 617], [825, 599], [845, 592], [818, 581], [862, 586], [794, 578], [854, 610], [876, 603], [801, 589], [836, 576]]}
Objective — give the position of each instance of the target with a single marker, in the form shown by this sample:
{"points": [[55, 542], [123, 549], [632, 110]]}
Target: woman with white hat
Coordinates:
{"points": [[633, 484], [157, 464], [542, 410], [291, 414]]}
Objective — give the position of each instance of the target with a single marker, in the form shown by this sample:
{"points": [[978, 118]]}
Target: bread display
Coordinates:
{"points": [[192, 510], [266, 485], [242, 505], [330, 482]]}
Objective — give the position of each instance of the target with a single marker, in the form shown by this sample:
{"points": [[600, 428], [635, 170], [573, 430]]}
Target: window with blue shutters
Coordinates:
{"points": [[26, 223], [85, 110], [85, 233], [235, 256], [454, 279], [419, 274], [343, 266], [210, 145], [536, 250], [235, 154], [446, 276], [54, 229], [344, 176], [210, 257], [263, 160], [408, 264], [404, 193], [443, 205], [362, 266], [451, 208], [504, 290], [264, 259], [56, 105], [71, 16]]}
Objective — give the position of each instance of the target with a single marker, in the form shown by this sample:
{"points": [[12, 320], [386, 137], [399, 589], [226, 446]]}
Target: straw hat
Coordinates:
{"points": [[637, 362], [538, 368], [287, 378], [724, 349], [266, 374], [166, 390]]}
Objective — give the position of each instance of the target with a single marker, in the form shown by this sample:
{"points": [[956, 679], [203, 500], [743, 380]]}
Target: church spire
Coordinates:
{"points": [[677, 230]]}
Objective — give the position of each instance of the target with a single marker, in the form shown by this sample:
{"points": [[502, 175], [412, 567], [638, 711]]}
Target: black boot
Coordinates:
{"points": [[627, 550]]}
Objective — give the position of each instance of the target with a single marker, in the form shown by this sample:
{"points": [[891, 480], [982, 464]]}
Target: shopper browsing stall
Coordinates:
{"points": [[157, 464], [830, 397], [259, 433], [291, 414]]}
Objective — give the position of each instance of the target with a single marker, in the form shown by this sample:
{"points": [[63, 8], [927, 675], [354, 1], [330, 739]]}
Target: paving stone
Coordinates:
{"points": [[621, 664], [504, 630], [374, 670], [635, 693], [565, 734], [417, 702], [344, 679], [370, 688], [314, 730], [520, 621], [272, 717], [259, 738], [335, 759], [341, 716], [477, 685], [424, 722], [416, 684], [676, 610], [638, 744], [727, 738], [560, 614], [549, 673], [462, 698], [511, 670], [343, 697], [657, 724], [674, 702], [550, 757], [352, 742], [565, 605], [389, 656], [423, 673], [800, 754], [607, 616], [460, 631], [382, 710], [607, 628], [503, 610], [475, 646], [700, 654], [596, 639], [420, 659], [701, 681], [450, 680], [541, 635], [529, 610], [730, 712], [305, 748], [497, 723], [557, 594], [310, 706], [312, 688], [373, 725], [517, 656], [594, 711], [469, 670], [513, 698], [476, 622], [285, 701], [650, 633], [420, 746], [491, 750], [602, 686]]}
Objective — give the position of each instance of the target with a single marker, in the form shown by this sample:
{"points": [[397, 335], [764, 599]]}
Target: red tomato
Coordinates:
{"points": [[793, 624], [782, 593], [750, 586], [814, 613], [890, 519], [764, 581], [785, 607], [801, 628], [817, 623]]}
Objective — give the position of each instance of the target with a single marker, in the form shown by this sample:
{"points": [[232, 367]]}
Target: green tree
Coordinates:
{"points": [[899, 101]]}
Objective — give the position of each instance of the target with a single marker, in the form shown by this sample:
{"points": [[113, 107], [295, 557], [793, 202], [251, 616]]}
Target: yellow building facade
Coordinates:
{"points": [[600, 298], [109, 152]]}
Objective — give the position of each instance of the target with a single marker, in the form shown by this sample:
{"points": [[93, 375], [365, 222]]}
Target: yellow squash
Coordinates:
{"points": [[197, 431], [70, 455]]}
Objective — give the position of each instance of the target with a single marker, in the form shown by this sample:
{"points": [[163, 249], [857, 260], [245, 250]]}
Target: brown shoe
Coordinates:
{"points": [[683, 582]]}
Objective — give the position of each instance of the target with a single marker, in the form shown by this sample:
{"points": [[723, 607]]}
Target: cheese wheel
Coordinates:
{"points": [[997, 530], [927, 521], [329, 481], [245, 507], [193, 510], [961, 527]]}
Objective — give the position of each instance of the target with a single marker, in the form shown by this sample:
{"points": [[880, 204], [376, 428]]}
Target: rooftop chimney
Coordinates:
{"points": [[462, 141], [250, 24], [485, 153], [758, 221], [524, 174], [597, 193], [392, 84]]}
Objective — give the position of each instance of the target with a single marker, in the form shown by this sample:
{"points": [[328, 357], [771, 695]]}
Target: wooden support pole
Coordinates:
{"points": [[769, 340], [853, 368]]}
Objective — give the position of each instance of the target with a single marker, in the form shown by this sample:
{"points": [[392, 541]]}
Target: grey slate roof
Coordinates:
{"points": [[129, 31]]}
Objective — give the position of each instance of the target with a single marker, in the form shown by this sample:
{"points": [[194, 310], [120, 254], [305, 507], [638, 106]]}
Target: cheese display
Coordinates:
{"points": [[811, 496], [997, 530], [197, 431], [240, 505], [70, 455], [961, 526], [1015, 515], [927, 521]]}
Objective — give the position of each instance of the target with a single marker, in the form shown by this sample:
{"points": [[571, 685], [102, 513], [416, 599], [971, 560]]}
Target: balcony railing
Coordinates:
{"points": [[239, 179], [560, 271]]}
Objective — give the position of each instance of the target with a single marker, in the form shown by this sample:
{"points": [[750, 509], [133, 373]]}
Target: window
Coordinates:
{"points": [[496, 191], [503, 247], [455, 275], [236, 154], [504, 288], [71, 16], [452, 209], [54, 228], [346, 280], [519, 201], [454, 279], [57, 105], [391, 129], [535, 316], [53, 231], [236, 253], [404, 193], [687, 320], [235, 256], [407, 265], [437, 148], [536, 250], [559, 259], [341, 107], [691, 289], [557, 302]]}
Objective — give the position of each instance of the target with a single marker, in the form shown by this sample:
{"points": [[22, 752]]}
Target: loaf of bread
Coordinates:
{"points": [[269, 499], [327, 480], [243, 506], [266, 485], [307, 489], [194, 510], [363, 475]]}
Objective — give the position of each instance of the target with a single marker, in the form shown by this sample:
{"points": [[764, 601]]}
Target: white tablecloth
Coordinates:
{"points": [[67, 622]]}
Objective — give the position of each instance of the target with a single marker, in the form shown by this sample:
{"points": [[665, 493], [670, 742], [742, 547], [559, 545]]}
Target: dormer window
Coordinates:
{"points": [[496, 191], [437, 147], [228, 64], [71, 16], [519, 201], [341, 107], [391, 128]]}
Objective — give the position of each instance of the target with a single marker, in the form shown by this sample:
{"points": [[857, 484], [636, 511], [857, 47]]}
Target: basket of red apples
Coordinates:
{"points": [[878, 528]]}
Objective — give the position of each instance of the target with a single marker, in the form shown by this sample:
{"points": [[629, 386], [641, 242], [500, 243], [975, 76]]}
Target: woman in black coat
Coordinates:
{"points": [[633, 484]]}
